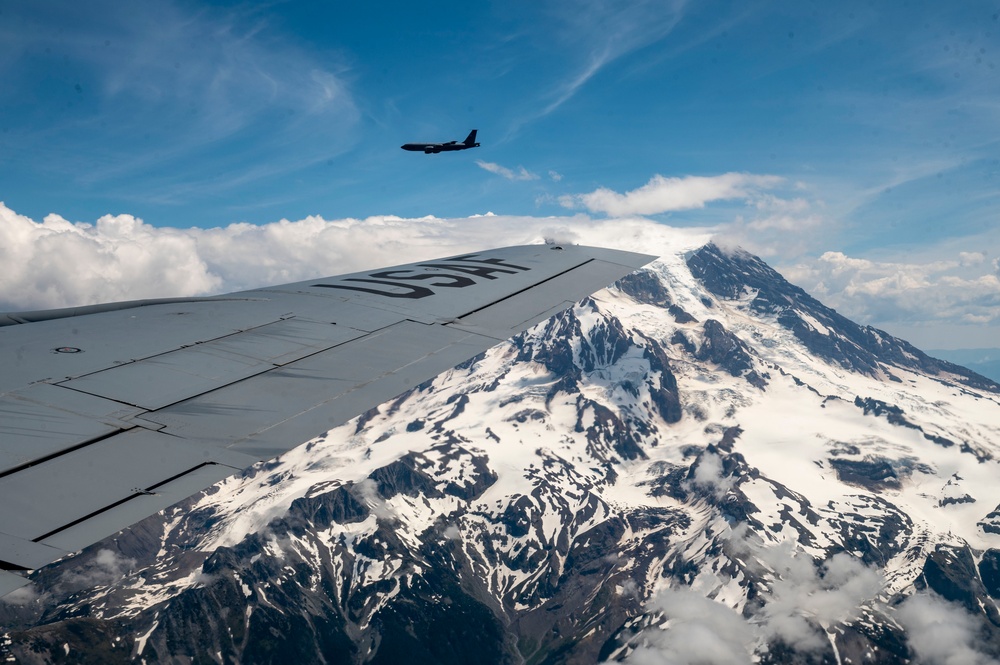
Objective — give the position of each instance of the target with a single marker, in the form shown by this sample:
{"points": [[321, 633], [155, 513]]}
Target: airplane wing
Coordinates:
{"points": [[113, 412]]}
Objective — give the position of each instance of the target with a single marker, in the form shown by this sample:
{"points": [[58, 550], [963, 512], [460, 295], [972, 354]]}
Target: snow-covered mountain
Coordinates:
{"points": [[700, 464]]}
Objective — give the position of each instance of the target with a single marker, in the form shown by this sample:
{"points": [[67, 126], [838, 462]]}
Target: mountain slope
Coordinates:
{"points": [[980, 361], [701, 450]]}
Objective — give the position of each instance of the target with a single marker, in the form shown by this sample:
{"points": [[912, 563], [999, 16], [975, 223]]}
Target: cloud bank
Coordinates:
{"points": [[60, 263], [962, 289]]}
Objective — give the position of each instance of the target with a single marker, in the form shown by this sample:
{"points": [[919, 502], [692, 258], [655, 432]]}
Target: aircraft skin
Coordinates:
{"points": [[110, 413], [428, 148]]}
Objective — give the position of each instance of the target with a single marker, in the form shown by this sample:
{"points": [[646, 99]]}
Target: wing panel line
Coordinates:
{"points": [[64, 451], [138, 493], [527, 288]]}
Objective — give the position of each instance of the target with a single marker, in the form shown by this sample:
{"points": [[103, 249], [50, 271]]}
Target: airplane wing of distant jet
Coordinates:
{"points": [[110, 413], [428, 148]]}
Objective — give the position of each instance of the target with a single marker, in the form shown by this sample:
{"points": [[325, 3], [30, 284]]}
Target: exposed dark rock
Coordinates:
{"points": [[781, 652], [366, 418], [645, 287], [517, 517], [729, 352], [525, 415], [951, 500], [665, 393], [877, 408], [340, 506], [874, 473], [680, 316], [607, 430], [605, 345], [894, 415], [879, 536], [682, 340], [426, 631], [93, 639], [989, 572], [991, 523], [555, 346], [951, 573], [729, 437], [670, 480], [404, 477], [721, 347], [480, 479]]}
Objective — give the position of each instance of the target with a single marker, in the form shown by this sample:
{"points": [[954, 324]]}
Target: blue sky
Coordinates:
{"points": [[880, 118]]}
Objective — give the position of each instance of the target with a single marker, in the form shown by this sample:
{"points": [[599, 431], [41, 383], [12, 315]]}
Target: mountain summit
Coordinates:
{"points": [[700, 464]]}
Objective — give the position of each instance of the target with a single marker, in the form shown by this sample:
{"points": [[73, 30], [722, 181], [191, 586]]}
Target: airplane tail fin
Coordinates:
{"points": [[471, 138]]}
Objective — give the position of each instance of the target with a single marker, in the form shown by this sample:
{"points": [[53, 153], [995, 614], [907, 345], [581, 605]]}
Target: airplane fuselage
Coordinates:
{"points": [[429, 148]]}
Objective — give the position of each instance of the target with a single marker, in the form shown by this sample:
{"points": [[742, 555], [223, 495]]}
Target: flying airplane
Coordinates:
{"points": [[110, 413], [428, 148]]}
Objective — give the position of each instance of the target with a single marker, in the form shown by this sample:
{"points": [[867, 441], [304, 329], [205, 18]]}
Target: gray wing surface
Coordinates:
{"points": [[111, 413]]}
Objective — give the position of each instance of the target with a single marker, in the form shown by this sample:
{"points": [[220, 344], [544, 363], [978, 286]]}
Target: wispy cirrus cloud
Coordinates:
{"points": [[167, 102], [520, 173], [662, 194], [597, 33]]}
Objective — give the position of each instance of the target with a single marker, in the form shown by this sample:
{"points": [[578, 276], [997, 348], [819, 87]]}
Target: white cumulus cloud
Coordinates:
{"points": [[940, 632], [710, 475], [105, 567], [804, 600], [962, 289], [663, 194], [700, 631], [59, 263]]}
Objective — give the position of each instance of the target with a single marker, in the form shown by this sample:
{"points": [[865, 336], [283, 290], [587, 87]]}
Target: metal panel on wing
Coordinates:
{"points": [[114, 519], [284, 408], [48, 496], [42, 420], [10, 582], [57, 349], [172, 377], [23, 553]]}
